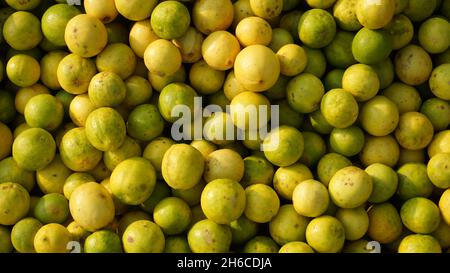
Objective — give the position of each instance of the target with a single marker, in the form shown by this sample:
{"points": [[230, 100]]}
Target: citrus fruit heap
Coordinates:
{"points": [[349, 145]]}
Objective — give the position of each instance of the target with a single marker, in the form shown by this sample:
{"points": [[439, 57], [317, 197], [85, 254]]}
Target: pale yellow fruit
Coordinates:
{"points": [[52, 238], [361, 81], [80, 108], [413, 65], [49, 65], [310, 198], [223, 163], [254, 31], [162, 58], [141, 35], [85, 35], [51, 178], [267, 9], [355, 222], [247, 111], [213, 50], [205, 79], [375, 14], [293, 59], [117, 58], [212, 15], [91, 206], [257, 68], [135, 10], [231, 86], [105, 10], [75, 72], [439, 144]]}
